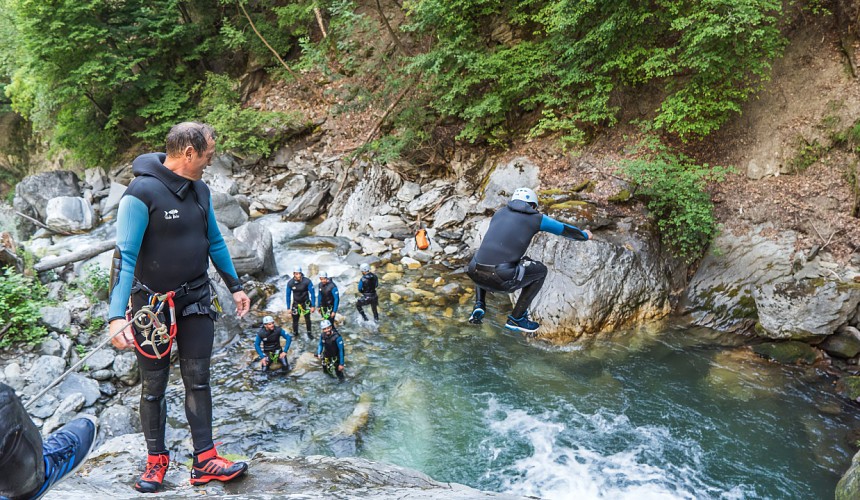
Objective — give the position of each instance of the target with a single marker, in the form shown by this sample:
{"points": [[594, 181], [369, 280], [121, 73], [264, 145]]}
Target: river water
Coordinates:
{"points": [[660, 412]]}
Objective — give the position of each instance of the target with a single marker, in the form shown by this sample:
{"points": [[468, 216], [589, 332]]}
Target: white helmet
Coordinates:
{"points": [[297, 269], [525, 194], [365, 268], [268, 319], [325, 324], [323, 274]]}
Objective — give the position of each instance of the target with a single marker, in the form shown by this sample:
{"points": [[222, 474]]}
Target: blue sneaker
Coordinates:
{"points": [[523, 324], [477, 316], [66, 450]]}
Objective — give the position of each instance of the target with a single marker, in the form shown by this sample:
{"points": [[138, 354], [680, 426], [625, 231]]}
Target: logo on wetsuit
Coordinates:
{"points": [[171, 214]]}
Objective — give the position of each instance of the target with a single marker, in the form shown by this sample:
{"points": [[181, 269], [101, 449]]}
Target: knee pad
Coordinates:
{"points": [[154, 384], [195, 373]]}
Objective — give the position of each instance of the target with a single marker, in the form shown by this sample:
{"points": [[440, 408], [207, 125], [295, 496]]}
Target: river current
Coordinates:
{"points": [[661, 412]]}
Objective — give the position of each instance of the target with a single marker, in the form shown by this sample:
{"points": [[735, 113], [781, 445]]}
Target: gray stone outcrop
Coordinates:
{"points": [[227, 209], [34, 191], [805, 309], [504, 179], [70, 214], [259, 239]]}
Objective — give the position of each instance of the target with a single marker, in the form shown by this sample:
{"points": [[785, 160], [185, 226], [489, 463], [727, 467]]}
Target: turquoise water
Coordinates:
{"points": [[657, 413]]}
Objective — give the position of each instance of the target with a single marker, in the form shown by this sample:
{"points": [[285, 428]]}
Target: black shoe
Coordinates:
{"points": [[310, 336], [66, 450], [523, 324], [477, 316]]}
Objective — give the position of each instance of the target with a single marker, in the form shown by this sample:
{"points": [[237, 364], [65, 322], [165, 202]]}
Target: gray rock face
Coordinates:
{"points": [[66, 411], [227, 210], [845, 343], [96, 178], [427, 200], [258, 238], [374, 190], [34, 191], [57, 319], [44, 371], [113, 467], [220, 183], [111, 203], [408, 191], [77, 383], [245, 258], [505, 179], [311, 204], [598, 286], [125, 368], [70, 214], [102, 359], [790, 309], [118, 420], [451, 212], [720, 294]]}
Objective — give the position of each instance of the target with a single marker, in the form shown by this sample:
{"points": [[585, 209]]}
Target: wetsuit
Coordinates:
{"points": [[21, 460], [367, 286], [300, 298], [331, 350], [328, 299], [268, 344], [165, 235], [500, 264]]}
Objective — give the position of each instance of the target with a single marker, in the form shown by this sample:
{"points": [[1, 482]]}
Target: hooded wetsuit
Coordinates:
{"points": [[500, 264], [165, 235]]}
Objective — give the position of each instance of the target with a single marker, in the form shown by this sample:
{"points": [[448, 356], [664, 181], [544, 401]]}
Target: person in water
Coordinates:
{"points": [[500, 264], [328, 298], [301, 300], [268, 345], [29, 467], [165, 235], [330, 350], [367, 287]]}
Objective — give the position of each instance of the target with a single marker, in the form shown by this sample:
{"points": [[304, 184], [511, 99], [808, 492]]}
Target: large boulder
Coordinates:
{"points": [[246, 260], [720, 294], [451, 213], [259, 238], [376, 188], [33, 193], [227, 209], [69, 214], [427, 201], [505, 179], [805, 309], [311, 204]]}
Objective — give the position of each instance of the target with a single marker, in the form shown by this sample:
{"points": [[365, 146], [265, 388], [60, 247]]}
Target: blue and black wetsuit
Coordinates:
{"points": [[300, 298], [367, 286], [328, 300], [268, 344], [331, 350], [500, 264], [165, 235]]}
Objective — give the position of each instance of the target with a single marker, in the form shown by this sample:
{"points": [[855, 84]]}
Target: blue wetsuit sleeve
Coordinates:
{"points": [[311, 295], [340, 351], [319, 296], [257, 342], [220, 255], [320, 346], [288, 338], [289, 295], [336, 296], [131, 221], [361, 284], [550, 225]]}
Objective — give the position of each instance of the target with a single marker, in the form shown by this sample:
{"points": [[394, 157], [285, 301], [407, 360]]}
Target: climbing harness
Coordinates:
{"points": [[300, 310], [83, 360], [154, 332], [325, 312]]}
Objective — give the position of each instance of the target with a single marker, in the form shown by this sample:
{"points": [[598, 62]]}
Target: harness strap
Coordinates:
{"points": [[150, 325]]}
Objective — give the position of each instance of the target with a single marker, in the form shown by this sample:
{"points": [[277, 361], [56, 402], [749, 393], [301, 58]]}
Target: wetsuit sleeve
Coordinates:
{"points": [[220, 255], [319, 296], [287, 338], [361, 284], [289, 294], [311, 294], [375, 282], [550, 225], [340, 351], [320, 346], [257, 342], [336, 296], [131, 221]]}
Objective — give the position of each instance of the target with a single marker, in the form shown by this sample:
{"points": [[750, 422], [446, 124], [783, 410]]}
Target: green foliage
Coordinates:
{"points": [[95, 325], [242, 130], [807, 153], [94, 283], [675, 190], [20, 300]]}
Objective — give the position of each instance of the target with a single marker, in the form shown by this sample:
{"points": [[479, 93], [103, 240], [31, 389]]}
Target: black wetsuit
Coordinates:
{"points": [[328, 300], [331, 350], [500, 264], [300, 298], [268, 344], [367, 286], [166, 234]]}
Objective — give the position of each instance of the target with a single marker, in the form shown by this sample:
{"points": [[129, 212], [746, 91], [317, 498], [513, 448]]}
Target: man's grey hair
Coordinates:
{"points": [[194, 134]]}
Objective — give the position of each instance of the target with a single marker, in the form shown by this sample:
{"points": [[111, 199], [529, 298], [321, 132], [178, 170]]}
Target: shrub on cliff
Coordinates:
{"points": [[20, 299]]}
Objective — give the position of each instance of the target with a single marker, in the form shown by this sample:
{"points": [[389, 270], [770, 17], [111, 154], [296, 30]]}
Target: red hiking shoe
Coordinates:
{"points": [[153, 476], [208, 466]]}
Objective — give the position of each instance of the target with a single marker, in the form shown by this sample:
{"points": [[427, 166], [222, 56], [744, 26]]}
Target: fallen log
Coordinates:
{"points": [[78, 255]]}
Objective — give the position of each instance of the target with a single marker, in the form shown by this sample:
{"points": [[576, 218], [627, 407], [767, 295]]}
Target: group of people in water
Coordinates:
{"points": [[302, 301], [166, 236]]}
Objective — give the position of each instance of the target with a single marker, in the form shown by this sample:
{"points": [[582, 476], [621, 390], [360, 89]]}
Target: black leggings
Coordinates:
{"points": [[296, 317], [194, 339], [22, 468], [372, 301], [504, 279]]}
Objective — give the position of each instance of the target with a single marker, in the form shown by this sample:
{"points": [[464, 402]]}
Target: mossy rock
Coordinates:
{"points": [[788, 353], [566, 205], [587, 186], [622, 196], [849, 387]]}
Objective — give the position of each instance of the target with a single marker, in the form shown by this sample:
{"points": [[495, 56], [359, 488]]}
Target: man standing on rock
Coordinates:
{"points": [[500, 264], [165, 235]]}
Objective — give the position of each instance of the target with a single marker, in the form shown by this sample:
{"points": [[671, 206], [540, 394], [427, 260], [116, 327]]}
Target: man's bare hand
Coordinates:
{"points": [[125, 339], [243, 303]]}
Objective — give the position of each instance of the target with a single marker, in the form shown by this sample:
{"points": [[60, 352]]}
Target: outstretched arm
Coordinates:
{"points": [[550, 225]]}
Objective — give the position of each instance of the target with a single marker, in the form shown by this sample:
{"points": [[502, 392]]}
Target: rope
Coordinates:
{"points": [[79, 363]]}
